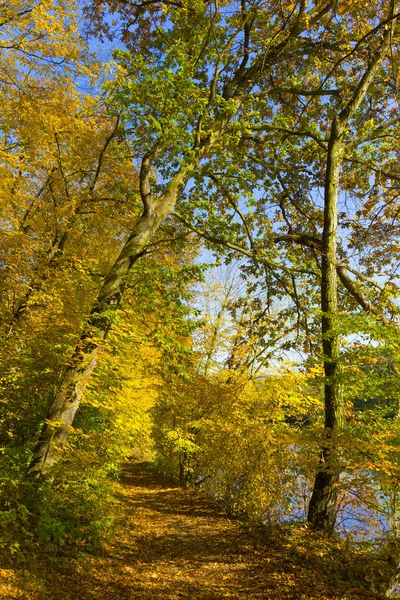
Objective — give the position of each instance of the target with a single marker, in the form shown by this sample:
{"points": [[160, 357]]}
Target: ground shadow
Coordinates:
{"points": [[169, 544]]}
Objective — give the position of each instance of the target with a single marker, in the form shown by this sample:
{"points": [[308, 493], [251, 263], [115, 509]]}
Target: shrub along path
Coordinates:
{"points": [[169, 544]]}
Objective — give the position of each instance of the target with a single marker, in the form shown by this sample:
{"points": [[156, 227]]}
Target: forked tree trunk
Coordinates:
{"points": [[68, 397]]}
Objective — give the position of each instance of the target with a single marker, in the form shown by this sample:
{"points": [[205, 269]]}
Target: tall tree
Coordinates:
{"points": [[323, 504], [334, 120]]}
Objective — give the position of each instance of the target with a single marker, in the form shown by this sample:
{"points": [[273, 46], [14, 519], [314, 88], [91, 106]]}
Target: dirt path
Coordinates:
{"points": [[184, 549], [171, 545]]}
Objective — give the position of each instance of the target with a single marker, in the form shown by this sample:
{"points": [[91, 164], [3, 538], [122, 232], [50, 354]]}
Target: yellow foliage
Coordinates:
{"points": [[241, 439]]}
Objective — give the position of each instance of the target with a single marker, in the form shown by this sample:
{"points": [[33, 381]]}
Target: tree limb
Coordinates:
{"points": [[358, 296], [144, 179], [102, 154]]}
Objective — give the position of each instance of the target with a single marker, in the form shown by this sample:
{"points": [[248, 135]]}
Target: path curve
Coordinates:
{"points": [[171, 545]]}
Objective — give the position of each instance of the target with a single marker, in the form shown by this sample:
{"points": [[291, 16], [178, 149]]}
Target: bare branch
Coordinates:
{"points": [[375, 169], [303, 92], [102, 154], [299, 132], [232, 202], [15, 16], [60, 165], [247, 25], [361, 276], [315, 19]]}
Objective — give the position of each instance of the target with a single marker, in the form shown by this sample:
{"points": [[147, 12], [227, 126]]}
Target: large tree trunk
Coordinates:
{"points": [[67, 399]]}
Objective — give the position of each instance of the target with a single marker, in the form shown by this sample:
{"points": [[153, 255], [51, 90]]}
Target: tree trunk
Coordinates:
{"points": [[322, 509], [323, 504], [67, 399]]}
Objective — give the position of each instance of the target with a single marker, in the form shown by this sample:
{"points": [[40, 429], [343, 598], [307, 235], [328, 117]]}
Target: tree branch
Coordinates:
{"points": [[232, 202], [144, 179], [102, 154], [352, 105], [300, 132], [244, 251], [359, 296]]}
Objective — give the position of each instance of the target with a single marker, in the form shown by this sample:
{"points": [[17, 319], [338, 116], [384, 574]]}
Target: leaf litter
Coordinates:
{"points": [[170, 544]]}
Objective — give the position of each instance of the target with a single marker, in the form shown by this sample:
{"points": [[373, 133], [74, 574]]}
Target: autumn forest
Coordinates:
{"points": [[199, 296]]}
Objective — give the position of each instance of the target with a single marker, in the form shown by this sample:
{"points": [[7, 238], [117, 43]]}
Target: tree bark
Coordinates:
{"points": [[68, 397], [322, 509]]}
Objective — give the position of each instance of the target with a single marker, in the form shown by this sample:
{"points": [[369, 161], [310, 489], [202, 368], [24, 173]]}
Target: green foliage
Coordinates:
{"points": [[75, 508], [58, 516]]}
